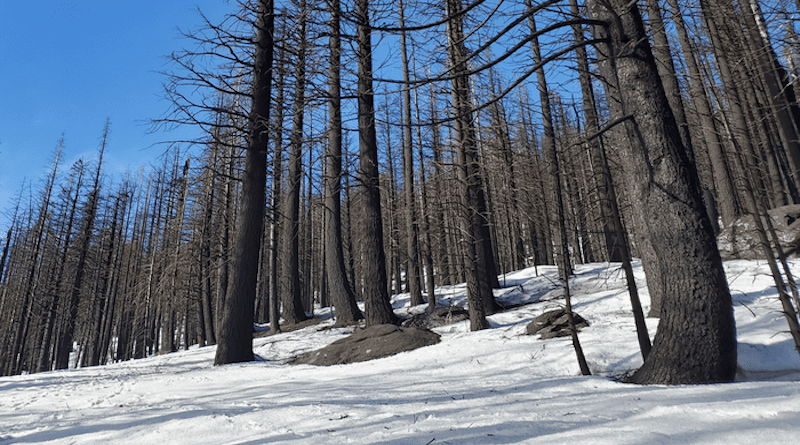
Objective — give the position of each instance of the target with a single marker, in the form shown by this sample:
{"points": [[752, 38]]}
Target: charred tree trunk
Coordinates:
{"points": [[696, 339], [341, 291], [471, 190], [412, 230], [235, 339], [377, 306], [85, 237], [291, 289]]}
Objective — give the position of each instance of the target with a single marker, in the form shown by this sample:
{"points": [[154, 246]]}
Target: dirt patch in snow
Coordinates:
{"points": [[378, 341]]}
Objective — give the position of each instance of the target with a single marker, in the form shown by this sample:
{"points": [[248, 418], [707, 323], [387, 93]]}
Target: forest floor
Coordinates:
{"points": [[496, 386]]}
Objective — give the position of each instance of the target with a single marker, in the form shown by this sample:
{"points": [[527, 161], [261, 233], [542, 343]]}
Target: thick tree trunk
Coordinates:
{"points": [[341, 292], [377, 306], [235, 339], [696, 338], [616, 239]]}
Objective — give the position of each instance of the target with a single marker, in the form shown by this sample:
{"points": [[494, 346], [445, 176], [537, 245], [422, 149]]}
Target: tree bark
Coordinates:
{"points": [[291, 286], [696, 339], [235, 339], [412, 231], [471, 190], [377, 305], [341, 291]]}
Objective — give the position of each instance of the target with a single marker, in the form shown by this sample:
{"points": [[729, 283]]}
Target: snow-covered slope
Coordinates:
{"points": [[489, 387]]}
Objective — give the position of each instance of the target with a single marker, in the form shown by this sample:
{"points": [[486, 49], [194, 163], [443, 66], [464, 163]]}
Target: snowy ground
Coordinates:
{"points": [[490, 387]]}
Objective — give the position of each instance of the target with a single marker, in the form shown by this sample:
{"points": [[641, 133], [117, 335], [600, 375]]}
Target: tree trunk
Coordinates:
{"points": [[291, 288], [15, 357], [235, 339], [412, 231], [723, 185], [552, 158], [85, 237], [471, 189], [549, 151], [696, 339], [341, 291], [424, 210], [377, 306]]}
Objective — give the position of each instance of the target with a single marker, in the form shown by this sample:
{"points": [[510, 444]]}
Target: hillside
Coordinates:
{"points": [[488, 387]]}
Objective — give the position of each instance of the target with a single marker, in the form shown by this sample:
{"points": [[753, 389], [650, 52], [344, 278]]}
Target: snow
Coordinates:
{"points": [[495, 386]]}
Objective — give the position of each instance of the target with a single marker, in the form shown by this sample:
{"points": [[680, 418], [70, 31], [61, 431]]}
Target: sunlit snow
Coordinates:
{"points": [[496, 386]]}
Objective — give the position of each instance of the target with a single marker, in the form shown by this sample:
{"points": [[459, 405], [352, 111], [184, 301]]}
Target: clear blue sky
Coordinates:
{"points": [[66, 66]]}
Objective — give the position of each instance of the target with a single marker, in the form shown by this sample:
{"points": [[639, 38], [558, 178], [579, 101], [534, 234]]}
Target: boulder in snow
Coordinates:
{"points": [[554, 323]]}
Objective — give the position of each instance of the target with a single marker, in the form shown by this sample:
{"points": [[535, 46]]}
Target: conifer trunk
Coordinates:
{"points": [[696, 338]]}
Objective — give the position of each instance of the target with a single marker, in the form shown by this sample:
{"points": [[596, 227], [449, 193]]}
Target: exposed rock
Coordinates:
{"points": [[369, 343], [554, 323], [740, 240], [440, 316]]}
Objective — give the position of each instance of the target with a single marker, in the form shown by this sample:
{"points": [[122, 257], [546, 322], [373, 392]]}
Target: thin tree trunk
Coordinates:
{"points": [[291, 289], [552, 159], [412, 231], [427, 253], [68, 333], [14, 365], [723, 185], [275, 200], [52, 313]]}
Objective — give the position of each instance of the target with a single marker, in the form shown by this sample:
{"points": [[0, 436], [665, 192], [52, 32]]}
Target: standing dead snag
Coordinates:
{"points": [[340, 288], [552, 159], [377, 306], [696, 338], [235, 337]]}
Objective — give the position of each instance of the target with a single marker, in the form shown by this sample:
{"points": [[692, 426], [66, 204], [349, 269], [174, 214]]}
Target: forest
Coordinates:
{"points": [[356, 150]]}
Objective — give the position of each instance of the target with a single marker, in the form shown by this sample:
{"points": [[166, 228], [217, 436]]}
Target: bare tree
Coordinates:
{"points": [[377, 306], [235, 337], [696, 339], [342, 295]]}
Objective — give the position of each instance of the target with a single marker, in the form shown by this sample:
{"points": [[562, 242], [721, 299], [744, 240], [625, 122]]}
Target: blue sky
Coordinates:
{"points": [[69, 65]]}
